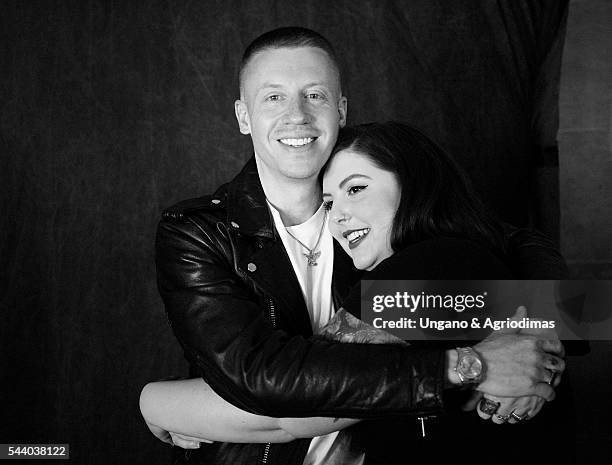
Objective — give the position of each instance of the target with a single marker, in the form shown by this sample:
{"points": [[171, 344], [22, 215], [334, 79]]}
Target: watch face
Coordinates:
{"points": [[470, 366]]}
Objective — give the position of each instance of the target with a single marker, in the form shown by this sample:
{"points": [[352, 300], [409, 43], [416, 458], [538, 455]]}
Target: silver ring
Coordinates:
{"points": [[552, 377], [517, 417], [488, 406]]}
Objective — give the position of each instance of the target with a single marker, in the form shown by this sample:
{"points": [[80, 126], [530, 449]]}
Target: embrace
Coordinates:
{"points": [[261, 286]]}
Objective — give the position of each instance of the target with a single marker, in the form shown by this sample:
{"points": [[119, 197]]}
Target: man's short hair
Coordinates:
{"points": [[287, 37]]}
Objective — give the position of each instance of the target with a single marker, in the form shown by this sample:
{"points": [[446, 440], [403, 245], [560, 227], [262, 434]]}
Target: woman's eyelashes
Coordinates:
{"points": [[328, 204], [355, 189]]}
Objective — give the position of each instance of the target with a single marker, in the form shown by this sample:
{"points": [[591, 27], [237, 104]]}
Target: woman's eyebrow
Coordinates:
{"points": [[352, 176]]}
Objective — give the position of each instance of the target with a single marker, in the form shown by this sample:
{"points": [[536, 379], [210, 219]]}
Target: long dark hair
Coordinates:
{"points": [[437, 198]]}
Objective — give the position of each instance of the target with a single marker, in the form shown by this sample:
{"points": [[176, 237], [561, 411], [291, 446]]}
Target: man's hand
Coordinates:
{"points": [[548, 334], [520, 364], [512, 409]]}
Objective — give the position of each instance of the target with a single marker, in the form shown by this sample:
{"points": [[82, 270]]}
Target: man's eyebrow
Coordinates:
{"points": [[352, 176], [275, 85], [316, 83]]}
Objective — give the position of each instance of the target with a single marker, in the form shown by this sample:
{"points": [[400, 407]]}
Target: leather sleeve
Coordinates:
{"points": [[222, 329], [534, 255]]}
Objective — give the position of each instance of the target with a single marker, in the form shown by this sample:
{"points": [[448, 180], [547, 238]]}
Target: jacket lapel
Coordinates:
{"points": [[274, 273], [267, 264]]}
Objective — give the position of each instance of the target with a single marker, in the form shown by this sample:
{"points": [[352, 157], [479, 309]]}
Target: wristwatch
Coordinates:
{"points": [[469, 368]]}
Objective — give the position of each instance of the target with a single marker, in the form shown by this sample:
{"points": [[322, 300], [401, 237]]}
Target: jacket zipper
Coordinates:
{"points": [[264, 460], [272, 312]]}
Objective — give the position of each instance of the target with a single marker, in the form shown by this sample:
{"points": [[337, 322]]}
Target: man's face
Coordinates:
{"points": [[292, 106]]}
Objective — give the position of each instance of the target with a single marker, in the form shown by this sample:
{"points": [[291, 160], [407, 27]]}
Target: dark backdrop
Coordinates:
{"points": [[111, 111]]}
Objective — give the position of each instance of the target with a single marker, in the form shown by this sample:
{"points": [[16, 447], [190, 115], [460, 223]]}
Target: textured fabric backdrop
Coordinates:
{"points": [[111, 111]]}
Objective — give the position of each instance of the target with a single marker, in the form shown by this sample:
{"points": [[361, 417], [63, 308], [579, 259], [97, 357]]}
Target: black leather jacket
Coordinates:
{"points": [[235, 305]]}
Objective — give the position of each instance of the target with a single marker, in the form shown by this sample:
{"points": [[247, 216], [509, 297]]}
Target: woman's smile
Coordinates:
{"points": [[355, 236]]}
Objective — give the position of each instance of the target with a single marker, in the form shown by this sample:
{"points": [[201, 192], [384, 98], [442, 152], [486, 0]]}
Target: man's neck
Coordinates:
{"points": [[295, 199]]}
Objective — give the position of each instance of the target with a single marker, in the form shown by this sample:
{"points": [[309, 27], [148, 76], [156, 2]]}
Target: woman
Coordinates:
{"points": [[401, 209]]}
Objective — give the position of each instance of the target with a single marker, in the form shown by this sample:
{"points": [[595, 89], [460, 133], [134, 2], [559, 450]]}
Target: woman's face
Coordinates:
{"points": [[362, 200]]}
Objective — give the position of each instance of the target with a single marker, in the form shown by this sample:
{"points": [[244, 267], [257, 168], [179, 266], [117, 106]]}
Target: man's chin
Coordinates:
{"points": [[303, 168], [303, 175]]}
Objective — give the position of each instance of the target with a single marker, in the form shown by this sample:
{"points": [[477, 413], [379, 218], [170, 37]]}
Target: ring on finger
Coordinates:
{"points": [[503, 418], [517, 417], [552, 377], [488, 406]]}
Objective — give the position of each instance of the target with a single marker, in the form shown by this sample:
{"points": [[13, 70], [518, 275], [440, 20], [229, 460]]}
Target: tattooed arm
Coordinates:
{"points": [[344, 327]]}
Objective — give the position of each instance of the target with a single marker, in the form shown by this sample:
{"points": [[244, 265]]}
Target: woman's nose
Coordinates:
{"points": [[338, 215]]}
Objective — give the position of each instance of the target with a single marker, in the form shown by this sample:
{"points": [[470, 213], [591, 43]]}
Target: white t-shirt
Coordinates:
{"points": [[315, 282]]}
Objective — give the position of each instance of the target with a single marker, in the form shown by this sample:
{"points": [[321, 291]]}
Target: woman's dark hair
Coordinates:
{"points": [[437, 198]]}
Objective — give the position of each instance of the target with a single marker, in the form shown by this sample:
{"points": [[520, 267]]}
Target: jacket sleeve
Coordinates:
{"points": [[534, 255], [224, 332]]}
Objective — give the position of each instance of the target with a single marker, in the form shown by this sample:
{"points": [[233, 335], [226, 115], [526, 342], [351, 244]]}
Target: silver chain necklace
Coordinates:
{"points": [[312, 255]]}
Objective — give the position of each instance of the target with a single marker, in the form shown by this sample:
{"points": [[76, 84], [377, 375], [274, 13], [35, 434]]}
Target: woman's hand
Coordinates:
{"points": [[160, 433], [187, 442], [176, 439]]}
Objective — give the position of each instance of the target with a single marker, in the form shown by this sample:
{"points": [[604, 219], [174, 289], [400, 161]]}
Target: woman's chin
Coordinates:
{"points": [[361, 264], [370, 263]]}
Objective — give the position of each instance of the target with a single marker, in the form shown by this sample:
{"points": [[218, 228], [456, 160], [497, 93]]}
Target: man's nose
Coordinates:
{"points": [[297, 113]]}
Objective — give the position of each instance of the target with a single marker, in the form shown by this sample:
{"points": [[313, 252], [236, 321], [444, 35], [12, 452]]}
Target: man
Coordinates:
{"points": [[245, 275]]}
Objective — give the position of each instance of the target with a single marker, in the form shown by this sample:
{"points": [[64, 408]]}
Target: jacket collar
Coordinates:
{"points": [[246, 203], [247, 208]]}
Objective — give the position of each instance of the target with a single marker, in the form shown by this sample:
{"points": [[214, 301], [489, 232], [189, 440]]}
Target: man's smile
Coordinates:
{"points": [[295, 142]]}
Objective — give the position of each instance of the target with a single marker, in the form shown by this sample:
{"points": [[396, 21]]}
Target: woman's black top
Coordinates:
{"points": [[458, 437], [433, 259]]}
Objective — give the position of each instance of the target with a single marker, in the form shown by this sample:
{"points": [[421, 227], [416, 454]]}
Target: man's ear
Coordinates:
{"points": [[342, 108], [242, 116]]}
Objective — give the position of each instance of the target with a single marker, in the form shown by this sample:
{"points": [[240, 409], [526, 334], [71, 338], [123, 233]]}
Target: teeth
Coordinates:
{"points": [[357, 234], [297, 142]]}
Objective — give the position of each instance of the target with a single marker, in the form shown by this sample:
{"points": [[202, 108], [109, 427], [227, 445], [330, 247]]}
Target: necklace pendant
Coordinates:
{"points": [[312, 258]]}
